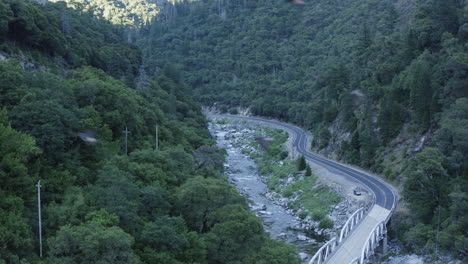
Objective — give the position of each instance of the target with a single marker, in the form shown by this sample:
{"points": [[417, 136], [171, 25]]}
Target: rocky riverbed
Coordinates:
{"points": [[279, 220], [242, 172]]}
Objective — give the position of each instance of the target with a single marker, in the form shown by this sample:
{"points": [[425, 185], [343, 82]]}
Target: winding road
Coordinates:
{"points": [[385, 198]]}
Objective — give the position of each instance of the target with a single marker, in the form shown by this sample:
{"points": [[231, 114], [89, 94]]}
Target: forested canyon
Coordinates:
{"points": [[380, 84]]}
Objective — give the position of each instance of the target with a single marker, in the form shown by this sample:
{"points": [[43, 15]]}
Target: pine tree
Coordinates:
{"points": [[421, 92], [301, 163], [308, 171]]}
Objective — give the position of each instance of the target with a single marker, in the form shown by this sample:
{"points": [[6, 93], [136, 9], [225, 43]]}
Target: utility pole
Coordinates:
{"points": [[126, 132], [437, 235], [157, 138], [40, 220]]}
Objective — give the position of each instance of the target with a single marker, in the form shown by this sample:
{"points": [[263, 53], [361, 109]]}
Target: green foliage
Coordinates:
{"points": [[325, 223], [72, 209], [92, 242], [103, 217], [373, 66], [324, 136], [315, 198], [451, 137], [116, 192], [121, 12], [17, 152], [5, 16], [391, 119], [420, 236], [419, 83], [50, 123], [98, 205], [14, 229], [11, 85], [274, 252], [301, 163], [166, 233], [424, 187], [29, 25], [234, 234], [76, 37], [318, 215], [392, 64], [277, 172], [436, 200], [308, 171], [198, 197], [303, 214], [268, 162]]}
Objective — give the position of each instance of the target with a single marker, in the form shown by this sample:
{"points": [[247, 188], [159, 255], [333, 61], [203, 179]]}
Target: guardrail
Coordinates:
{"points": [[327, 250]]}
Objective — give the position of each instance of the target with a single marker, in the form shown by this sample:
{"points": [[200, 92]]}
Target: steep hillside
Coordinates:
{"points": [[381, 84], [66, 97]]}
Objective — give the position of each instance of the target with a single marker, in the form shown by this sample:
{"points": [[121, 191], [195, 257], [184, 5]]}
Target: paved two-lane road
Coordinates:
{"points": [[383, 193]]}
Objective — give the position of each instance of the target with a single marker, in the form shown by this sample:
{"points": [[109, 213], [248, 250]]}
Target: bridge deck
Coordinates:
{"points": [[353, 245]]}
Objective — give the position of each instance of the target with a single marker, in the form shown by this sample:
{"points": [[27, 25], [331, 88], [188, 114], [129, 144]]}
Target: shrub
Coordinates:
{"points": [[283, 155], [326, 223], [318, 215], [303, 214]]}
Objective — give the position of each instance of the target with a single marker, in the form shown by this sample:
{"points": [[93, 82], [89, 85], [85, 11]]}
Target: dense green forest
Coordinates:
{"points": [[381, 84], [63, 72]]}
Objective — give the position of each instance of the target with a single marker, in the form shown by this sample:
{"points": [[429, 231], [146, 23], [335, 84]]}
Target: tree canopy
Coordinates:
{"points": [[65, 74]]}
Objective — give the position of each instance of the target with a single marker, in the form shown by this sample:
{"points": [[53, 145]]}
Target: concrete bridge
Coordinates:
{"points": [[364, 230]]}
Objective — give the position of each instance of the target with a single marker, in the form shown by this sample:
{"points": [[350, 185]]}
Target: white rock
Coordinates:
{"points": [[282, 236], [303, 256], [301, 237]]}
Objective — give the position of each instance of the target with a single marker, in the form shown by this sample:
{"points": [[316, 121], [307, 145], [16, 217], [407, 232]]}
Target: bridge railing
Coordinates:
{"points": [[324, 252], [327, 250], [353, 221], [373, 241]]}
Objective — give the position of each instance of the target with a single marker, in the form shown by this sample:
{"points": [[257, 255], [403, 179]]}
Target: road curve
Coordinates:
{"points": [[383, 192]]}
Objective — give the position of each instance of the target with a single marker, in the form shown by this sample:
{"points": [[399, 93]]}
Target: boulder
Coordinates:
{"points": [[303, 256], [301, 237]]}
